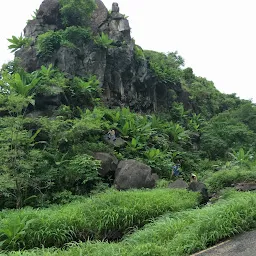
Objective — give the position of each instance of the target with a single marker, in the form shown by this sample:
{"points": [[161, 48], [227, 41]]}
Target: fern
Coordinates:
{"points": [[18, 42]]}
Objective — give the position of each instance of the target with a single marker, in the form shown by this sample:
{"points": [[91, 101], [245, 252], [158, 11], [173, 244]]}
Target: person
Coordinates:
{"points": [[176, 170], [193, 178], [112, 134]]}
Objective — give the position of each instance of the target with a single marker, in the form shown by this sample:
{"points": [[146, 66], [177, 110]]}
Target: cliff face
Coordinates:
{"points": [[125, 79]]}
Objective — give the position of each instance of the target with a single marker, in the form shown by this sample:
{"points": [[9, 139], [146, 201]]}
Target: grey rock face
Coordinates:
{"points": [[49, 12], [108, 163], [133, 174], [47, 18], [115, 7], [99, 16]]}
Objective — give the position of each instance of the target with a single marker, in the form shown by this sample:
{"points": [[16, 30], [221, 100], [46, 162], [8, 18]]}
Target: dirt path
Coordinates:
{"points": [[240, 245]]}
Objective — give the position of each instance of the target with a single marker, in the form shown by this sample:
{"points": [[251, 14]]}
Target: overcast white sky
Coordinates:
{"points": [[215, 37]]}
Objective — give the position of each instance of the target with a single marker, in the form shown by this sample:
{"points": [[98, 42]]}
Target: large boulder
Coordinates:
{"points": [[197, 186], [133, 174], [179, 183], [108, 163]]}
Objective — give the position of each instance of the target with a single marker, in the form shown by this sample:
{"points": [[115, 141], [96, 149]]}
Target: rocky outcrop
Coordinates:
{"points": [[99, 16], [125, 79], [108, 163], [47, 18], [133, 174]]}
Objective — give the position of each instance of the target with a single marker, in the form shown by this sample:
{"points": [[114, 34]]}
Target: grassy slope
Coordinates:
{"points": [[90, 218], [187, 232]]}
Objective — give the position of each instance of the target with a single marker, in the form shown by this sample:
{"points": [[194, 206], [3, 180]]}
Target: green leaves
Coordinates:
{"points": [[18, 42], [48, 42], [12, 232], [165, 66], [76, 12], [103, 40], [21, 87]]}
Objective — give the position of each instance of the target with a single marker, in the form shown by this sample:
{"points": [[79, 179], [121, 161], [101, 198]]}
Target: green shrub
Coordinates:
{"points": [[48, 42], [165, 66], [84, 169], [76, 12], [103, 40], [139, 54], [77, 35]]}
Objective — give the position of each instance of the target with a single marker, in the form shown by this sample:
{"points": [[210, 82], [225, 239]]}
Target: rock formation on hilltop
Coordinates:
{"points": [[125, 79]]}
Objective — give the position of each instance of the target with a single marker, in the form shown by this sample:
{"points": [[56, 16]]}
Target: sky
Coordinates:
{"points": [[216, 38]]}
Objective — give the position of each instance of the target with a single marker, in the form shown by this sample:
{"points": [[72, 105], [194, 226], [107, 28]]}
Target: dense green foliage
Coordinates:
{"points": [[95, 217], [76, 12], [166, 66], [71, 37], [103, 40]]}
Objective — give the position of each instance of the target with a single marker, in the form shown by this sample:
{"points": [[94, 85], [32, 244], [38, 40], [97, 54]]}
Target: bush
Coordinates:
{"points": [[77, 35], [48, 42], [76, 12], [139, 54], [103, 40]]}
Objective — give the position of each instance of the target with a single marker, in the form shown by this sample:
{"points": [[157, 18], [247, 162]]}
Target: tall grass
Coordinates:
{"points": [[185, 233], [198, 229], [98, 217]]}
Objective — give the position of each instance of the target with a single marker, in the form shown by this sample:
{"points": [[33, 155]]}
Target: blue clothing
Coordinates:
{"points": [[176, 171]]}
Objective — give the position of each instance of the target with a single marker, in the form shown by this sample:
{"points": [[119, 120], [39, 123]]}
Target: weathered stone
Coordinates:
{"points": [[47, 18], [108, 163], [116, 16], [29, 58], [155, 176], [124, 25], [199, 187], [119, 142], [245, 186], [49, 12], [49, 100], [133, 174], [179, 183], [115, 7], [99, 16]]}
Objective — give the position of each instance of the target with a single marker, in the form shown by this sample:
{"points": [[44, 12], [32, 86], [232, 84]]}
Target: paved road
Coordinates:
{"points": [[240, 245]]}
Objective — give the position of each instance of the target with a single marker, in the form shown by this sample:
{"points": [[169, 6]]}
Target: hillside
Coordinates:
{"points": [[77, 76]]}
